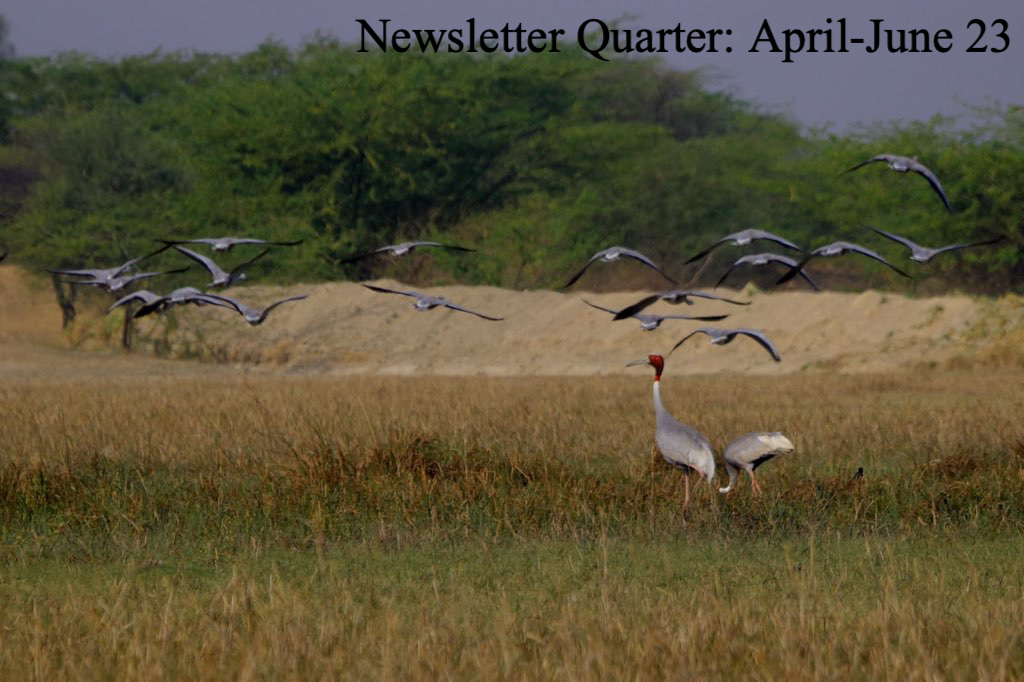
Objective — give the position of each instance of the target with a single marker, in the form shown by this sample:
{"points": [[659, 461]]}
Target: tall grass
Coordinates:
{"points": [[508, 528]]}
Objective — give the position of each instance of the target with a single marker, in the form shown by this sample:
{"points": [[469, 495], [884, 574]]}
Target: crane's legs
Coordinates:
{"points": [[754, 485], [686, 495]]}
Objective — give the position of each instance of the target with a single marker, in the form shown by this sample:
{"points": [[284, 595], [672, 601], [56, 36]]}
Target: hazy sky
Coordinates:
{"points": [[817, 89]]}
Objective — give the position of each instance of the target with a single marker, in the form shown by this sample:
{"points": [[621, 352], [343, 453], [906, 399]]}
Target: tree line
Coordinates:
{"points": [[536, 160]]}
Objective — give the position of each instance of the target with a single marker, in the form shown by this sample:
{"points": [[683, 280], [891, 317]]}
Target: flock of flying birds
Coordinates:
{"points": [[679, 444]]}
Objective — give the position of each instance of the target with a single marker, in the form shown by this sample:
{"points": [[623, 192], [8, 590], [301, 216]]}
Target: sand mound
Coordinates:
{"points": [[344, 328]]}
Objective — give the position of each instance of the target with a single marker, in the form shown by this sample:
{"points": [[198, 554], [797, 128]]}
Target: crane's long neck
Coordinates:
{"points": [[659, 407]]}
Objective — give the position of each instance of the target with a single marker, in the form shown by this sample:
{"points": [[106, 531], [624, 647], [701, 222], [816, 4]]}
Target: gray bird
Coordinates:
{"points": [[745, 237], [115, 284], [256, 316], [405, 248], [425, 302], [103, 276], [750, 451], [182, 296], [923, 254], [760, 259], [674, 297], [222, 244], [144, 296], [836, 249], [652, 322], [721, 337], [221, 278], [906, 164], [680, 445], [613, 254]]}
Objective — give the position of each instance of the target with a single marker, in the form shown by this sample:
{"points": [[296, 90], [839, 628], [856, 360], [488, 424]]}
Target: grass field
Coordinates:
{"points": [[271, 528]]}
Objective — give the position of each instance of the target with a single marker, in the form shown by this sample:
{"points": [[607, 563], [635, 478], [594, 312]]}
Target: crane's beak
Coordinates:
{"points": [[641, 361]]}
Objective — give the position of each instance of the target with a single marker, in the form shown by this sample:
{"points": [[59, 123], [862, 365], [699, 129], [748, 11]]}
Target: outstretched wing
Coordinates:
{"points": [[928, 175], [284, 300], [761, 339], [636, 255], [874, 159], [471, 312], [631, 310], [599, 307], [723, 240], [956, 247], [895, 237], [249, 262], [857, 248], [715, 297], [699, 318], [450, 247], [703, 330], [207, 263], [795, 270], [392, 291], [584, 269]]}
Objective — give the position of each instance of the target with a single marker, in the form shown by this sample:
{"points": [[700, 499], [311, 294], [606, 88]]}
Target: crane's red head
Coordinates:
{"points": [[655, 361]]}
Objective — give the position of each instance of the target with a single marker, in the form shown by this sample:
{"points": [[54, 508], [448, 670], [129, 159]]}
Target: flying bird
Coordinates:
{"points": [[652, 322], [181, 296], [103, 276], [613, 254], [836, 249], [905, 164], [759, 259], [115, 284], [227, 243], [404, 248], [745, 237], [256, 316], [221, 278], [425, 302], [750, 451], [674, 297], [680, 445], [145, 296], [722, 337], [923, 254]]}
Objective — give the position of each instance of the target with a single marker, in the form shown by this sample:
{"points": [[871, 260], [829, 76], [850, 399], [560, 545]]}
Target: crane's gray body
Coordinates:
{"points": [[750, 451], [681, 445]]}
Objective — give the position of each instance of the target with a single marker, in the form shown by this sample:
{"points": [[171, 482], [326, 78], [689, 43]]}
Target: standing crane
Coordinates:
{"points": [[680, 445]]}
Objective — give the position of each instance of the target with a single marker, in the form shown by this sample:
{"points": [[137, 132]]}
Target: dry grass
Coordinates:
{"points": [[223, 526]]}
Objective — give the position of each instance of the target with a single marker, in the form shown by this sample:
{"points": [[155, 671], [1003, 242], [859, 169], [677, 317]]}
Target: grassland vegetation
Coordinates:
{"points": [[231, 526]]}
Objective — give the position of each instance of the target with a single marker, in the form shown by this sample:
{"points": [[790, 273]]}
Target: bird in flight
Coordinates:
{"points": [[905, 164], [759, 259], [425, 302], [256, 316], [745, 237], [227, 243], [221, 277], [836, 249], [721, 337], [923, 254], [180, 296], [674, 297], [613, 254], [404, 248], [652, 322]]}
